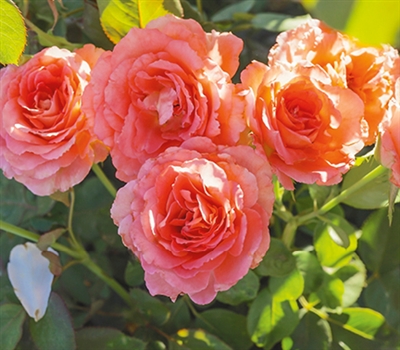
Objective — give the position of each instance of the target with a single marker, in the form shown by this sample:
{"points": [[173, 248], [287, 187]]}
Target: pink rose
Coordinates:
{"points": [[368, 71], [162, 85], [46, 142], [390, 138], [310, 129], [197, 217]]}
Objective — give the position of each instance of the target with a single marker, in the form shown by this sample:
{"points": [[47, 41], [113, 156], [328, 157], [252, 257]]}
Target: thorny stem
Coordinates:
{"points": [[104, 180]]}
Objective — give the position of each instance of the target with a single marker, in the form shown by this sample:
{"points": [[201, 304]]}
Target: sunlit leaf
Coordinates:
{"points": [[310, 268], [288, 287], [187, 339], [117, 17], [330, 293], [12, 33]]}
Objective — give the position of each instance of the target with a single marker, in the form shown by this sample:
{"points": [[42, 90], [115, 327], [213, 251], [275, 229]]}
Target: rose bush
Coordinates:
{"points": [[172, 81], [46, 142], [197, 217], [389, 150], [310, 129], [368, 71]]}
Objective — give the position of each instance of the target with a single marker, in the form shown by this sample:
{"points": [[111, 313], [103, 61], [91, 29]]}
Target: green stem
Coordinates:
{"points": [[104, 180], [379, 170], [70, 216], [15, 230], [199, 6]]}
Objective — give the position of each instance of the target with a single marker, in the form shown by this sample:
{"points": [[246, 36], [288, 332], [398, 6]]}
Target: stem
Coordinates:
{"points": [[379, 170], [70, 216], [104, 180], [15, 230], [199, 6]]}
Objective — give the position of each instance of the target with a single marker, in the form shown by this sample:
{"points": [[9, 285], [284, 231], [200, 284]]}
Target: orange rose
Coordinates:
{"points": [[310, 129], [162, 85], [368, 71], [46, 142], [390, 138]]}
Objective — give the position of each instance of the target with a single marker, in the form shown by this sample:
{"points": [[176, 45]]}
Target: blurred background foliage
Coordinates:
{"points": [[337, 288]]}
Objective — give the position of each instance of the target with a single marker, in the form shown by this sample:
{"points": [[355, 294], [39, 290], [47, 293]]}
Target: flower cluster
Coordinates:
{"points": [[196, 151]]}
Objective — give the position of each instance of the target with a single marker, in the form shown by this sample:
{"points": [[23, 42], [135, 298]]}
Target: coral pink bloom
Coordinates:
{"points": [[197, 217], [162, 85], [390, 138], [368, 71], [310, 130], [46, 142]]}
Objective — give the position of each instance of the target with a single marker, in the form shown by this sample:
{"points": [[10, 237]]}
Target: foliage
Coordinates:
{"points": [[330, 279]]}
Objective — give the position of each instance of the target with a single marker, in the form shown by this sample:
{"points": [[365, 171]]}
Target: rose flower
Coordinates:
{"points": [[389, 151], [162, 85], [310, 129], [197, 217], [368, 71], [46, 142]]}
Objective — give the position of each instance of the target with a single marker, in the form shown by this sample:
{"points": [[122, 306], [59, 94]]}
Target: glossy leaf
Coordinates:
{"points": [[278, 261], [117, 17], [244, 290], [329, 253], [107, 339], [12, 317], [269, 321], [54, 330], [376, 194], [12, 33], [310, 268], [187, 339], [331, 291], [288, 287], [230, 327]]}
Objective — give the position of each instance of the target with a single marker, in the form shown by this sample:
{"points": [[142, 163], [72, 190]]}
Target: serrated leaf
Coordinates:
{"points": [[244, 290], [230, 327], [117, 17], [106, 339], [12, 317], [54, 330], [12, 33]]}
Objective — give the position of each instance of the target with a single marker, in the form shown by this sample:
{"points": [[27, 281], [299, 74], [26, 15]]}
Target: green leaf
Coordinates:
{"points": [[289, 287], [361, 321], [335, 230], [277, 22], [180, 316], [329, 253], [311, 333], [330, 293], [188, 339], [230, 327], [310, 268], [244, 290], [18, 204], [321, 194], [278, 261], [106, 338], [353, 277], [227, 13], [375, 195], [54, 330], [12, 317], [379, 244], [151, 308], [12, 33], [269, 320], [134, 274], [48, 40], [117, 17]]}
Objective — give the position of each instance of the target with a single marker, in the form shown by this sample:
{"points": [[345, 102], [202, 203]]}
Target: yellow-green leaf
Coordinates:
{"points": [[12, 33], [117, 17]]}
